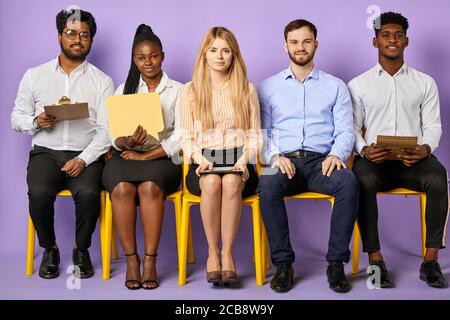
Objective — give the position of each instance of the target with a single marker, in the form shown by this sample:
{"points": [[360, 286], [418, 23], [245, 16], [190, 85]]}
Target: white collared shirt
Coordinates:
{"points": [[168, 91], [406, 104], [45, 85]]}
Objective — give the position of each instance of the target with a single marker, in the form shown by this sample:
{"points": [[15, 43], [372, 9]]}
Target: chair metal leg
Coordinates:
{"points": [[30, 248], [355, 250], [423, 205], [107, 230], [259, 264], [182, 253], [190, 252]]}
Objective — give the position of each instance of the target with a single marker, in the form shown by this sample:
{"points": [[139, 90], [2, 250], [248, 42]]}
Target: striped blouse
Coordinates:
{"points": [[223, 135]]}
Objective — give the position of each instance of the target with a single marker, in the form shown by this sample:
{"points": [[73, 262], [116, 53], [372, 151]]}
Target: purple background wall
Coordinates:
{"points": [[28, 37]]}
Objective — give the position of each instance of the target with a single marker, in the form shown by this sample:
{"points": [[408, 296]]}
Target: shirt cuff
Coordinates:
{"points": [[432, 145], [86, 157], [338, 154], [359, 145], [169, 149]]}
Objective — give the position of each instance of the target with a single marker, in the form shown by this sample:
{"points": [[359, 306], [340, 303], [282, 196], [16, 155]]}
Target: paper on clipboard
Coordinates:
{"points": [[126, 112], [66, 110]]}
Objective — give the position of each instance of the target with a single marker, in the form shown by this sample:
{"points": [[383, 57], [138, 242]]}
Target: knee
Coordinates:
{"points": [[150, 190], [87, 193], [368, 180], [231, 184], [348, 182], [123, 190], [210, 184], [436, 179], [41, 193], [272, 185]]}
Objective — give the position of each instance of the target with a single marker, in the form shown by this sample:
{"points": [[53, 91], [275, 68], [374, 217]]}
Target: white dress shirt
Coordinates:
{"points": [[406, 104], [168, 91], [45, 85]]}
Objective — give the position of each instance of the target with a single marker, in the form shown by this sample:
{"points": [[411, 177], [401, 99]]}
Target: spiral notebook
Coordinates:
{"points": [[396, 143]]}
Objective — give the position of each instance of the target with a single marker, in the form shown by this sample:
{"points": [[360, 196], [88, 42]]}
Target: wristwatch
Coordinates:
{"points": [[363, 151], [36, 123]]}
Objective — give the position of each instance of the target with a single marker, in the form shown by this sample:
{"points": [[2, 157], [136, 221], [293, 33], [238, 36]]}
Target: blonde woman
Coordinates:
{"points": [[220, 127]]}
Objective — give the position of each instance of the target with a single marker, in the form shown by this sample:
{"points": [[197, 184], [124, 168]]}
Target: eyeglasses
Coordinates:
{"points": [[72, 34]]}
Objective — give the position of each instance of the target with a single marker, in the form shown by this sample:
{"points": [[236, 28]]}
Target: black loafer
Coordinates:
{"points": [[385, 277], [283, 279], [82, 262], [431, 273], [49, 268], [336, 277]]}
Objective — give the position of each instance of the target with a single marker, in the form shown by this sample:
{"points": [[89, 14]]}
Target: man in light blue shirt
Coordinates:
{"points": [[307, 118]]}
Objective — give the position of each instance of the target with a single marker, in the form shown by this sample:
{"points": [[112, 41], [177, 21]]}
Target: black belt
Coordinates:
{"points": [[301, 154]]}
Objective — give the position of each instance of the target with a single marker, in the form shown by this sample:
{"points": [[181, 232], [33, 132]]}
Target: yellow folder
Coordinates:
{"points": [[126, 112]]}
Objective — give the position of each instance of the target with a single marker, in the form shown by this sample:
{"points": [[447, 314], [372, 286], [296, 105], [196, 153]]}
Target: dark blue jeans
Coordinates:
{"points": [[342, 185]]}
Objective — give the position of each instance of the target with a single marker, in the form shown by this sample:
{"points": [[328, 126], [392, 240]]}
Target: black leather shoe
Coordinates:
{"points": [[431, 273], [49, 264], [336, 277], [385, 277], [283, 278], [82, 262]]}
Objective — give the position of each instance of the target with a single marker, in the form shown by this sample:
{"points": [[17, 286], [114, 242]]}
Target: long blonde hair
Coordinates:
{"points": [[239, 89]]}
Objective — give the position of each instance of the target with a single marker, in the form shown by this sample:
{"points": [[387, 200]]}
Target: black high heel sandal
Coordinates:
{"points": [[131, 283], [149, 284]]}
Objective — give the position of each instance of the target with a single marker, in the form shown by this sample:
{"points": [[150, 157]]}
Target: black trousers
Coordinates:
{"points": [[45, 179], [342, 184], [428, 176]]}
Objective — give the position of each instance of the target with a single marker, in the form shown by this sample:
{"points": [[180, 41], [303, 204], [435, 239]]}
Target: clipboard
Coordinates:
{"points": [[66, 110], [396, 143], [126, 112]]}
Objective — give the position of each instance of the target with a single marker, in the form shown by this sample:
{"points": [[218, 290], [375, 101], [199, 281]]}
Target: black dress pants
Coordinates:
{"points": [[45, 179], [428, 176]]}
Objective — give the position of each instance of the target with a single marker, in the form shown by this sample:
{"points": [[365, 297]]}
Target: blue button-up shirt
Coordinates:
{"points": [[315, 115]]}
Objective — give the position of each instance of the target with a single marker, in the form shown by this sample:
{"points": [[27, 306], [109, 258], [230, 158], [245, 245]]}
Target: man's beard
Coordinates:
{"points": [[303, 62], [73, 57]]}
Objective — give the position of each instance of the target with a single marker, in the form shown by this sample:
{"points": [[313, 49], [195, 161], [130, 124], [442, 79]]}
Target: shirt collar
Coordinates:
{"points": [[165, 82], [82, 68], [287, 73], [380, 69]]}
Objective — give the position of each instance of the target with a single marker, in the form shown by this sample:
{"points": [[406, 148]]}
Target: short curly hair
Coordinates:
{"points": [[84, 16], [390, 17]]}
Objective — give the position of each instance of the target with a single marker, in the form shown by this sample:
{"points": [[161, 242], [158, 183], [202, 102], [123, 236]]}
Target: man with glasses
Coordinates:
{"points": [[65, 154], [396, 100]]}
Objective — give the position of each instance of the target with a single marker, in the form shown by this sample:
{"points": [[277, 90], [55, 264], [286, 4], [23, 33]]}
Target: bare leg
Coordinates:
{"points": [[211, 186], [232, 186], [152, 213], [124, 213]]}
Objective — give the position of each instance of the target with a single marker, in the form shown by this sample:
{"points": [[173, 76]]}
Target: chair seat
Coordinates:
{"points": [[402, 191], [310, 195]]}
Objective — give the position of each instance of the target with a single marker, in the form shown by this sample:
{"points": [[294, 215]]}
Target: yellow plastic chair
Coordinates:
{"points": [[109, 226], [303, 195], [103, 234], [190, 200], [397, 191]]}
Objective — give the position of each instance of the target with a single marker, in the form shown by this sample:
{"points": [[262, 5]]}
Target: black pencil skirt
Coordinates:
{"points": [[222, 158], [163, 172]]}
